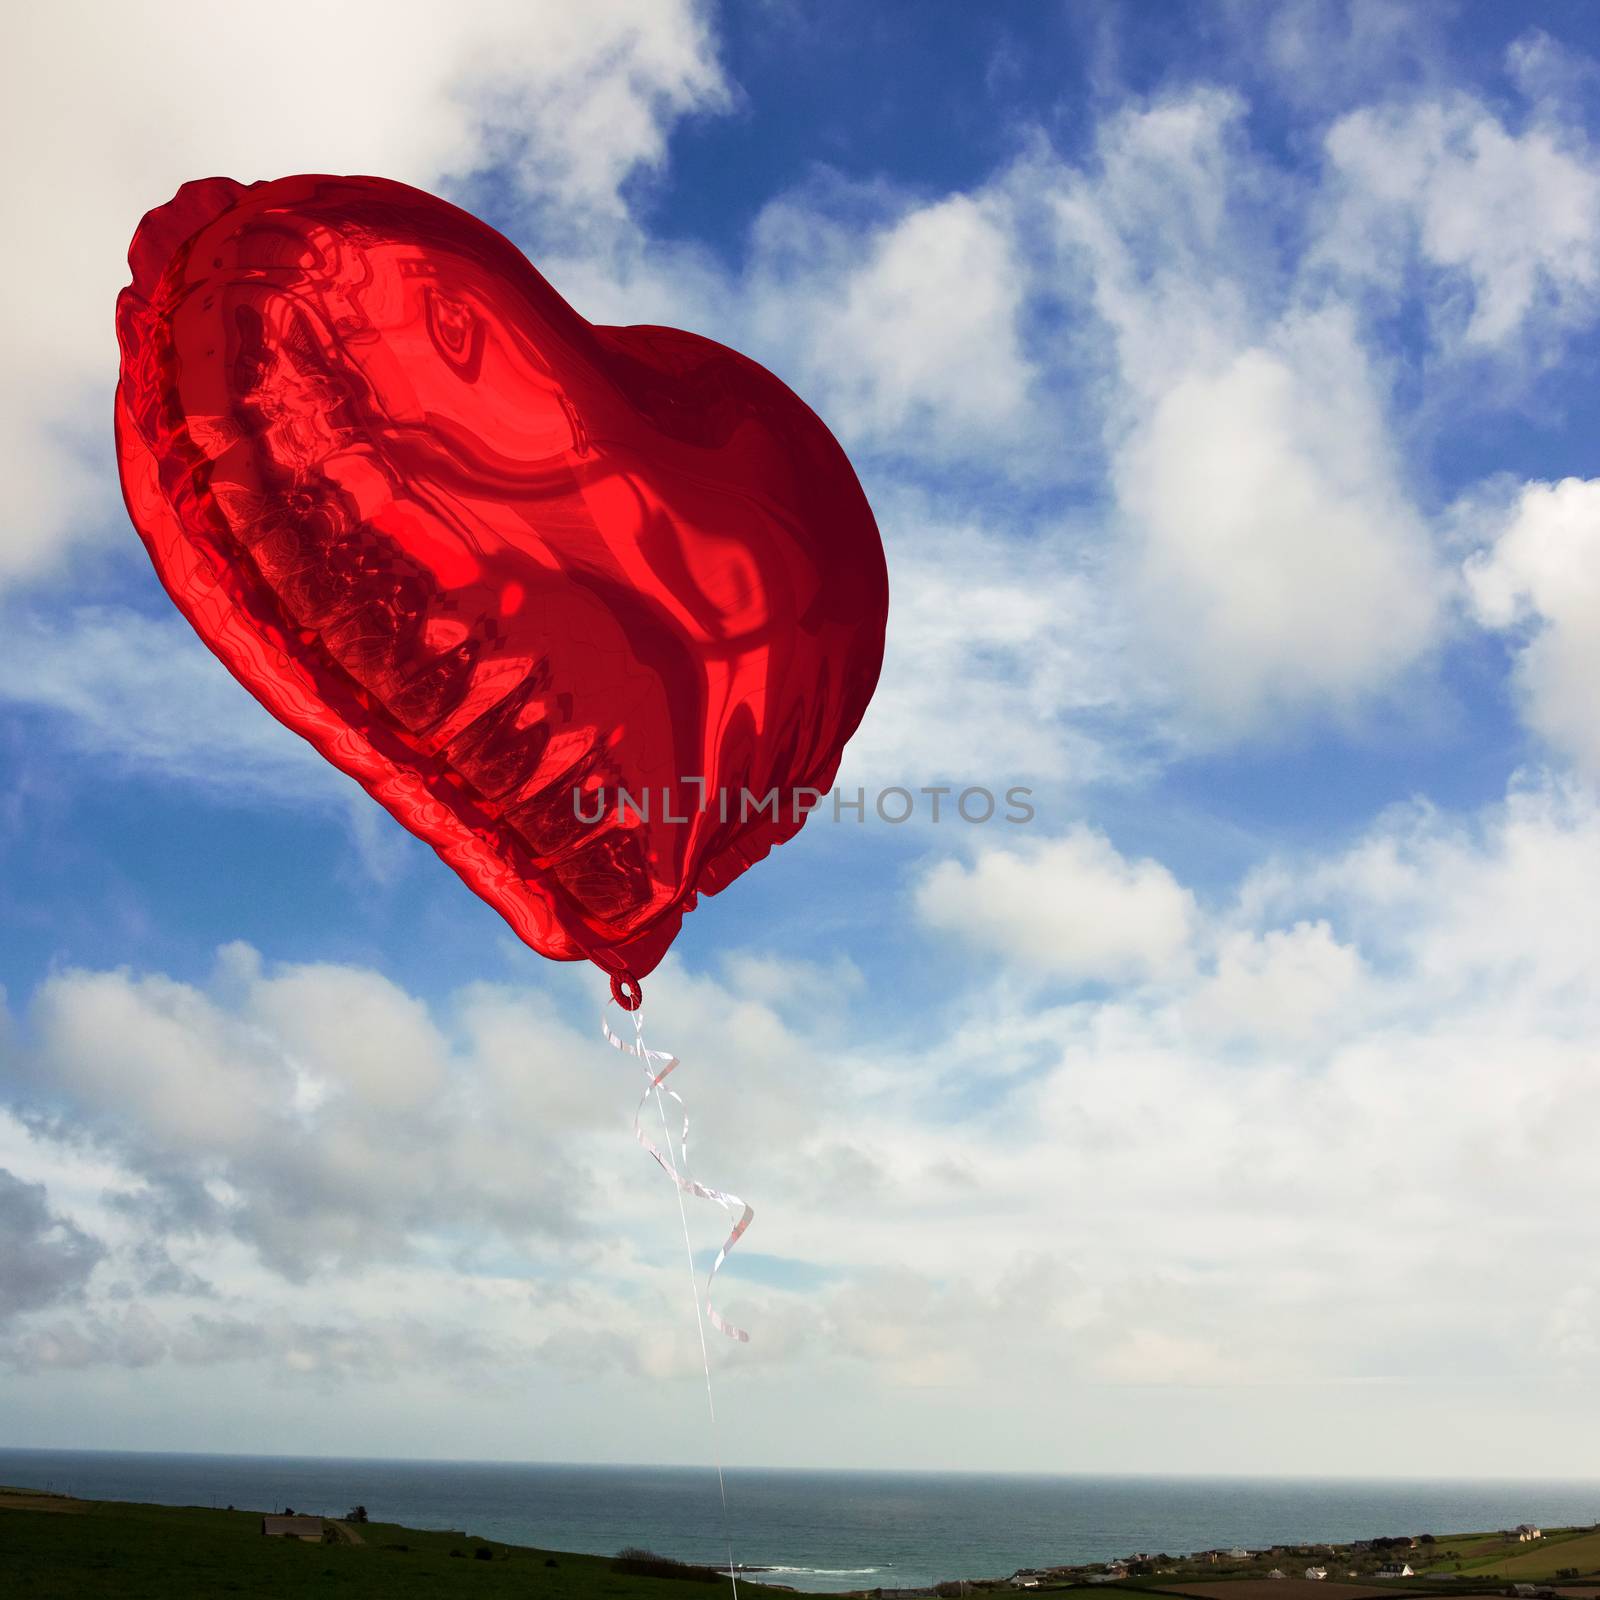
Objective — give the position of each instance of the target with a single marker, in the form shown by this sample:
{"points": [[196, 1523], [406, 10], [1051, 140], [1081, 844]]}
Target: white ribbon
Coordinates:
{"points": [[731, 1203]]}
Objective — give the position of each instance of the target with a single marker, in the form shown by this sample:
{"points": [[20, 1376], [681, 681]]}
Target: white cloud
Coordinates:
{"points": [[143, 695], [1243, 437], [1327, 53], [1071, 906], [44, 1258], [117, 108], [1272, 551], [1472, 908], [315, 1111], [905, 333], [148, 694], [1361, 1060], [1551, 76], [902, 319], [1267, 515], [1006, 660], [1507, 223], [1162, 224], [1288, 984], [1540, 580], [354, 1033]]}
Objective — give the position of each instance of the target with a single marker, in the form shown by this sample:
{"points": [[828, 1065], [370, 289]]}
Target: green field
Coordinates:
{"points": [[141, 1552], [1465, 1548], [1561, 1549], [1492, 1555]]}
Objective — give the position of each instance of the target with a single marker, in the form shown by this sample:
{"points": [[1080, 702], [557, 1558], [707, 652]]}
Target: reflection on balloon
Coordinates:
{"points": [[489, 558]]}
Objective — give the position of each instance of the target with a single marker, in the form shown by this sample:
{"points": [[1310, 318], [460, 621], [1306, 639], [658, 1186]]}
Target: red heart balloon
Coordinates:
{"points": [[497, 564]]}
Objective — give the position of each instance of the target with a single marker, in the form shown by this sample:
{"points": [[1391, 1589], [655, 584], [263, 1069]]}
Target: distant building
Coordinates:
{"points": [[1526, 1531], [307, 1528], [1395, 1569], [1317, 1572], [1025, 1580], [1277, 1572]]}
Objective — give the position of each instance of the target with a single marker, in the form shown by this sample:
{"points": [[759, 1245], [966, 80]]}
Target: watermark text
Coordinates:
{"points": [[973, 804]]}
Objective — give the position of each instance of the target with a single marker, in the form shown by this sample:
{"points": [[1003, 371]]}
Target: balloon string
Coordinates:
{"points": [[676, 1167]]}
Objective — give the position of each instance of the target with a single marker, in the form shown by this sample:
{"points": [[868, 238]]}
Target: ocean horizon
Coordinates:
{"points": [[812, 1529]]}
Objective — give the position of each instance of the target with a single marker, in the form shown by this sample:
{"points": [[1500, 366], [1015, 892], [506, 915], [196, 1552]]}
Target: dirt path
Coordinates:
{"points": [[347, 1533]]}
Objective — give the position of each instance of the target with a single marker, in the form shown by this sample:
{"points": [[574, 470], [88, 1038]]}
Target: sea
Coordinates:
{"points": [[818, 1531]]}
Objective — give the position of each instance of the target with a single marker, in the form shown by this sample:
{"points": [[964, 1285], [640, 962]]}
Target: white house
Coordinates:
{"points": [[1395, 1570], [1526, 1532], [1316, 1572]]}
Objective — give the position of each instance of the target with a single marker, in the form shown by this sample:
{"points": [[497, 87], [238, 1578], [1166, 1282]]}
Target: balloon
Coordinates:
{"points": [[508, 570]]}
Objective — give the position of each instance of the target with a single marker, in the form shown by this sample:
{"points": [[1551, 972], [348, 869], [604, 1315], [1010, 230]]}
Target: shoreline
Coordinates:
{"points": [[1524, 1562]]}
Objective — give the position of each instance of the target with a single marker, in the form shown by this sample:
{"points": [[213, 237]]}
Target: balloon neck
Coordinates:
{"points": [[626, 992]]}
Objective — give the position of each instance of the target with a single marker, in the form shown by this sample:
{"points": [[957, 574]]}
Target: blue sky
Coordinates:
{"points": [[1222, 378]]}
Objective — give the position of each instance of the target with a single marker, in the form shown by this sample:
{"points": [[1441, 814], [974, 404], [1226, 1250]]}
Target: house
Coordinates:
{"points": [[1317, 1572], [1401, 1569], [306, 1528], [1526, 1532], [1277, 1572], [1025, 1580]]}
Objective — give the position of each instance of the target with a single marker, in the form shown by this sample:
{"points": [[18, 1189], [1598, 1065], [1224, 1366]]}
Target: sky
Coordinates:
{"points": [[1221, 377]]}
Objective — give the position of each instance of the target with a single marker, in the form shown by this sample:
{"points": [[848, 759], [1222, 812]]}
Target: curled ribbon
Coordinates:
{"points": [[731, 1203]]}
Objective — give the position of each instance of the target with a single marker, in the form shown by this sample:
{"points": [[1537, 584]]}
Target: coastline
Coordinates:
{"points": [[53, 1543], [814, 1531]]}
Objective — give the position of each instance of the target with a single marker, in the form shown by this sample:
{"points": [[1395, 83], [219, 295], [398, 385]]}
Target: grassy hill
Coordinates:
{"points": [[1562, 1550], [54, 1548]]}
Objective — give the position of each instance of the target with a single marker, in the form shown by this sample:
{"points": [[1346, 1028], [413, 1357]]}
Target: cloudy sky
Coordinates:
{"points": [[1222, 378]]}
